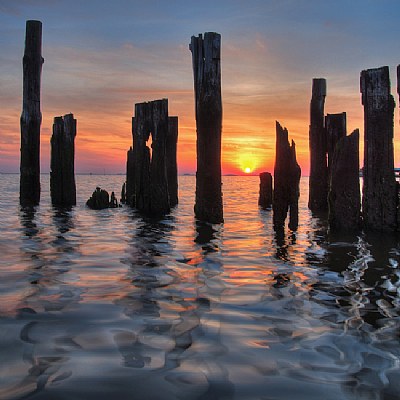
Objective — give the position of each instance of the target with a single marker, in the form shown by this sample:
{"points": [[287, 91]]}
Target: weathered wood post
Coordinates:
{"points": [[206, 59], [130, 178], [335, 125], [318, 183], [397, 183], [266, 191], [286, 181], [150, 168], [62, 164], [172, 167], [31, 117], [398, 81], [379, 202], [344, 188], [294, 188]]}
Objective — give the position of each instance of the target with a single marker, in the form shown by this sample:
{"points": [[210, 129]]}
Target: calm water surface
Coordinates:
{"points": [[108, 305]]}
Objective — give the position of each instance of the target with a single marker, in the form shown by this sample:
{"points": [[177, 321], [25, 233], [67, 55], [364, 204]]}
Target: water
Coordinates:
{"points": [[106, 304]]}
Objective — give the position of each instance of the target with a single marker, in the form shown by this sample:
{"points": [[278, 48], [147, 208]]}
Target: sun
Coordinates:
{"points": [[247, 170]]}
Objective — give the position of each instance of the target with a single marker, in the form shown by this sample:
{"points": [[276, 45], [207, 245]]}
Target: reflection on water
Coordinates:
{"points": [[106, 304]]}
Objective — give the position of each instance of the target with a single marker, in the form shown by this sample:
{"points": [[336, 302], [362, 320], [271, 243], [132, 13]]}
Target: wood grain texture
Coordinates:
{"points": [[206, 62], [31, 117]]}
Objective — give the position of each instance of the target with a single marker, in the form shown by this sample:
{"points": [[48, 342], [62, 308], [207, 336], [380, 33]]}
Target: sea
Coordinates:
{"points": [[112, 305]]}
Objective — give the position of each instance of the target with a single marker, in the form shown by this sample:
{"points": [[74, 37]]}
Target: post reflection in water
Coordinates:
{"points": [[105, 304]]}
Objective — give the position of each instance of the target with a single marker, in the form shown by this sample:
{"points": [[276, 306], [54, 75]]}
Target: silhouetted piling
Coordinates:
{"points": [[130, 178], [31, 117], [397, 183], [172, 167], [294, 186], [62, 174], [150, 170], [379, 188], [344, 188], [335, 125], [318, 183], [123, 193], [206, 58], [99, 200], [266, 191], [286, 181]]}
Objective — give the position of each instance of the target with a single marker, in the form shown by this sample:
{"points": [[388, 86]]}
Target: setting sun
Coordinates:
{"points": [[247, 170]]}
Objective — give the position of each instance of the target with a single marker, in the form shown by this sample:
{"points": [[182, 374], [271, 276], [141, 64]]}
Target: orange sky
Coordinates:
{"points": [[98, 69]]}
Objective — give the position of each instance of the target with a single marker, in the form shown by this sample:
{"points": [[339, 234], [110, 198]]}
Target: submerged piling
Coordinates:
{"points": [[62, 164], [344, 188], [286, 181], [130, 178], [172, 167], [318, 183], [150, 171], [266, 191], [335, 125], [206, 58], [31, 117], [379, 202]]}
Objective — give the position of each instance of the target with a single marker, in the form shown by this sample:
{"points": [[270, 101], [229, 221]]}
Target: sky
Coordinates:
{"points": [[102, 57]]}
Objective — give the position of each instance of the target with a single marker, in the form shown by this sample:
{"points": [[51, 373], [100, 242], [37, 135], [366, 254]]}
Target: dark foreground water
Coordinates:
{"points": [[107, 305]]}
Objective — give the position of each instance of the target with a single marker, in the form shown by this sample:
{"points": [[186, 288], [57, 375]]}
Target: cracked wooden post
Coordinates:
{"points": [[286, 181], [31, 117], [398, 81], [150, 170], [335, 125], [130, 178], [397, 183], [206, 59], [294, 188], [318, 183], [62, 164], [344, 188], [172, 167], [266, 191], [379, 202]]}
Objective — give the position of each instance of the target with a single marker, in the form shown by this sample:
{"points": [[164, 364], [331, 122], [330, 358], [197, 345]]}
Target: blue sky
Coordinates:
{"points": [[102, 57]]}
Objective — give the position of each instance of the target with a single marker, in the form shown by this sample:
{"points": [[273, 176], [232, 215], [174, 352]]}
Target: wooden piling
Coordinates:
{"points": [[294, 188], [286, 181], [335, 125], [130, 178], [172, 167], [266, 191], [150, 171], [206, 58], [31, 117], [344, 187], [318, 183], [379, 202], [62, 164]]}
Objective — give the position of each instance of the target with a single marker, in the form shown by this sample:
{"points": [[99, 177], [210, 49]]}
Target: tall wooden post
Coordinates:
{"points": [[344, 188], [266, 191], [398, 81], [31, 117], [286, 181], [150, 171], [318, 183], [335, 130], [62, 175], [206, 59], [172, 167], [379, 185]]}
